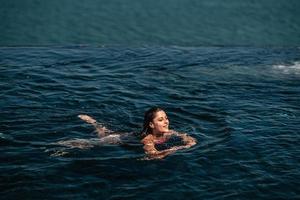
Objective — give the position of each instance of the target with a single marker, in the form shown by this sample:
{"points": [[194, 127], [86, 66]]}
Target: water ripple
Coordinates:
{"points": [[239, 103]]}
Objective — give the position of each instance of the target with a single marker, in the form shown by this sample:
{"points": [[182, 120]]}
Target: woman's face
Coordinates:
{"points": [[160, 123]]}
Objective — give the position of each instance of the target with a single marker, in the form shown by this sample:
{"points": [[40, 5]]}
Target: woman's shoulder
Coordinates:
{"points": [[173, 132], [147, 139]]}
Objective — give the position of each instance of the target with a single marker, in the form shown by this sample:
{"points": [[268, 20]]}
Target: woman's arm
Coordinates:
{"points": [[152, 152], [188, 141]]}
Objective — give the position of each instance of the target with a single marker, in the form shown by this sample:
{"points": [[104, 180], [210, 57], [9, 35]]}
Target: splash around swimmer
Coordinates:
{"points": [[155, 132]]}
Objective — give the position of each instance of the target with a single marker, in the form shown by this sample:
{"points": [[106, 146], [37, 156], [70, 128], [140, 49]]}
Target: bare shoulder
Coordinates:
{"points": [[147, 139], [172, 132]]}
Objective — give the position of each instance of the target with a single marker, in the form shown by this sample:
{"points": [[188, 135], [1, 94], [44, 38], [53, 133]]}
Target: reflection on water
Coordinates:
{"points": [[239, 103]]}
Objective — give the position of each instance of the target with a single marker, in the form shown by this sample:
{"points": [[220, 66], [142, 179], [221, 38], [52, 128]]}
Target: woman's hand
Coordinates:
{"points": [[153, 153], [188, 140], [191, 141]]}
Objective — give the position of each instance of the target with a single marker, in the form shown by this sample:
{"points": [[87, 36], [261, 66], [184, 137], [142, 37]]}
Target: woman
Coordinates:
{"points": [[158, 141], [156, 133]]}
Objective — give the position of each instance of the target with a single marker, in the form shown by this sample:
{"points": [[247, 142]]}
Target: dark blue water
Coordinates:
{"points": [[242, 105], [116, 59]]}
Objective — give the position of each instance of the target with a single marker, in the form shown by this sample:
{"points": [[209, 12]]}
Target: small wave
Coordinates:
{"points": [[289, 69], [6, 137]]}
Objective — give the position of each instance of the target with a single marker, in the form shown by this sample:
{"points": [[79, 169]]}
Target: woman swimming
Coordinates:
{"points": [[156, 132], [157, 139]]}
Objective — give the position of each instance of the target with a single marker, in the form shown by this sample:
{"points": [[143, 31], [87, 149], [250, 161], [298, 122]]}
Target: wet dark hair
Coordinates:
{"points": [[148, 117]]}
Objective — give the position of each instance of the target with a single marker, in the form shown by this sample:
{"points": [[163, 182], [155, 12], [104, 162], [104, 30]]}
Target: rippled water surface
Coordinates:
{"points": [[242, 105]]}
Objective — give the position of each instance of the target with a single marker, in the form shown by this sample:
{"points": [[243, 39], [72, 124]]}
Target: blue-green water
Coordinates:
{"points": [[242, 105], [226, 71], [140, 22]]}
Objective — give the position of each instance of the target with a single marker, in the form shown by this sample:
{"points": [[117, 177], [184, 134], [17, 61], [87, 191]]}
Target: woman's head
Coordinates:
{"points": [[155, 122]]}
